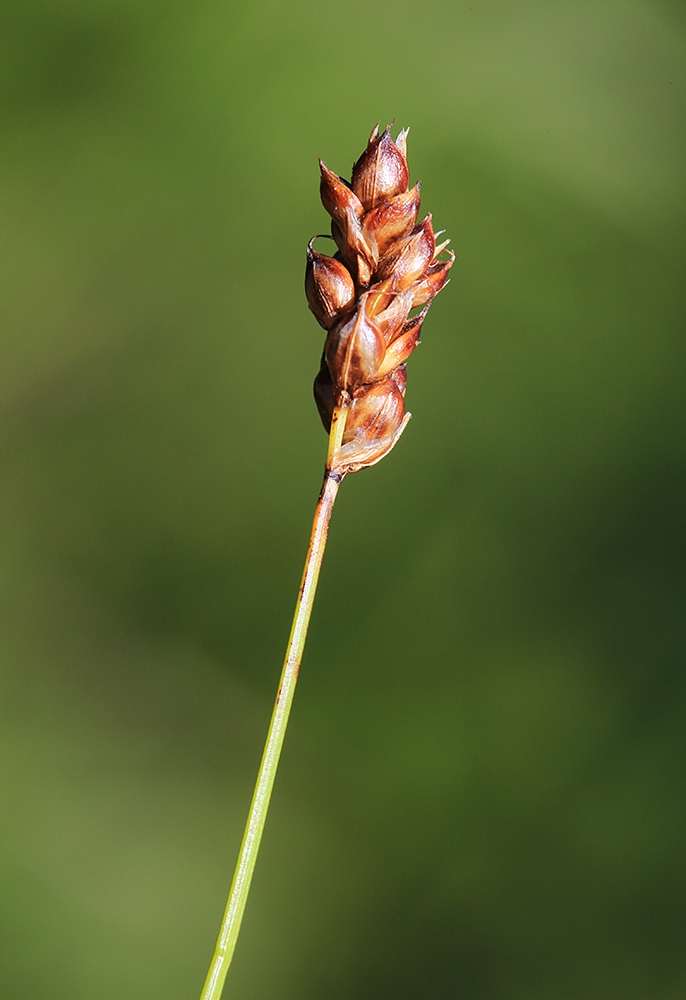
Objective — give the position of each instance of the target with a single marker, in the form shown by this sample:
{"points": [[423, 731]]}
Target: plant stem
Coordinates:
{"points": [[340, 415], [240, 886]]}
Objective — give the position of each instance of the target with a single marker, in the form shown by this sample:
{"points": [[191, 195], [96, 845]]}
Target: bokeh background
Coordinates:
{"points": [[482, 792]]}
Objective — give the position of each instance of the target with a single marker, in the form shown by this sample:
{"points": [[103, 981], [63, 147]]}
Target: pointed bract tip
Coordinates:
{"points": [[401, 141]]}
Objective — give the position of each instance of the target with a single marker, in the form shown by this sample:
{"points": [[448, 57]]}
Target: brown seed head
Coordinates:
{"points": [[387, 264]]}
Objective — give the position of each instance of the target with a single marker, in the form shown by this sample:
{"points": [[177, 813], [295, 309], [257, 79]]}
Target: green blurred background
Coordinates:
{"points": [[482, 792]]}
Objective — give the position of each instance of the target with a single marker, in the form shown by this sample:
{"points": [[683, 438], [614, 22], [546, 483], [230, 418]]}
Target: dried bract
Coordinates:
{"points": [[387, 264]]}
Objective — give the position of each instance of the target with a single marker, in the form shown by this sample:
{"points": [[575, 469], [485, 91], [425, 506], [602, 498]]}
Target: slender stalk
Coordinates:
{"points": [[338, 420], [247, 857]]}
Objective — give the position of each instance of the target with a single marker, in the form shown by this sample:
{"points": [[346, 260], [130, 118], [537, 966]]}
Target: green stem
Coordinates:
{"points": [[240, 887]]}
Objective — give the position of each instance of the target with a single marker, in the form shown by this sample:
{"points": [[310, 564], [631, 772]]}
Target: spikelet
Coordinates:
{"points": [[386, 265]]}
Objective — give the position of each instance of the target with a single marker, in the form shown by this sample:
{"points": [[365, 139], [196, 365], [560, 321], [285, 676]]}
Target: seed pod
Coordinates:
{"points": [[337, 197], [408, 259], [435, 277], [381, 172], [357, 246], [329, 287], [399, 350], [391, 319], [393, 219], [376, 419], [354, 350]]}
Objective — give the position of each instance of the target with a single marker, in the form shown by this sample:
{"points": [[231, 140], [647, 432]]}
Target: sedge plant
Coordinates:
{"points": [[371, 297]]}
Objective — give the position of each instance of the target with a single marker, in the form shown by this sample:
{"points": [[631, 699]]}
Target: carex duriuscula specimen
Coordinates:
{"points": [[371, 297], [387, 264]]}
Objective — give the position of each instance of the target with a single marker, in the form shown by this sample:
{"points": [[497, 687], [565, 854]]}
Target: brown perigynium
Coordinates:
{"points": [[386, 265]]}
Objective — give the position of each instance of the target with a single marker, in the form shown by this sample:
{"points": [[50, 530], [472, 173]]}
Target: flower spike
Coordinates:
{"points": [[387, 264]]}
